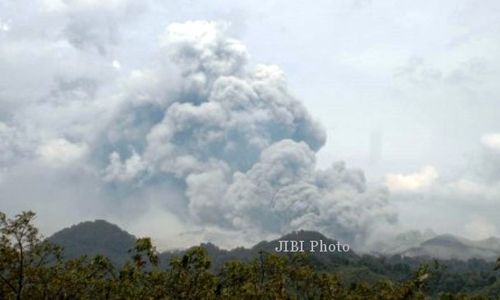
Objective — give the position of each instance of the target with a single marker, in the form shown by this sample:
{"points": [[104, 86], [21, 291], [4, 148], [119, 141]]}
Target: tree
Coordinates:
{"points": [[31, 268], [189, 277], [23, 254]]}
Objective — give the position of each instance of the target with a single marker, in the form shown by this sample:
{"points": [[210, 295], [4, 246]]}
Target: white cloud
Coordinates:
{"points": [[75, 5], [472, 190], [201, 46], [480, 228], [421, 179], [4, 27], [116, 64], [60, 151], [123, 171], [150, 221], [491, 140]]}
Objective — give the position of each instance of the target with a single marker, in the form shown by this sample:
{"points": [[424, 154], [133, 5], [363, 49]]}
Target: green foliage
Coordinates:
{"points": [[31, 268], [24, 257], [189, 278]]}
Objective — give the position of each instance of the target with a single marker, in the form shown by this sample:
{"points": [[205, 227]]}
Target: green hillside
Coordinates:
{"points": [[472, 276]]}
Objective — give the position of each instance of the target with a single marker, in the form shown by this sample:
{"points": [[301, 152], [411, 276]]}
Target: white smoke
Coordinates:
{"points": [[203, 136], [465, 202], [243, 148], [104, 115]]}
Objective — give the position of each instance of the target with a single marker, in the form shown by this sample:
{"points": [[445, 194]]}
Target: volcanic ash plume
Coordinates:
{"points": [[241, 148]]}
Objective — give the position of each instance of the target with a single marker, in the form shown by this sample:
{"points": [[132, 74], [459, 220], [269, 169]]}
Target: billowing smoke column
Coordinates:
{"points": [[241, 148]]}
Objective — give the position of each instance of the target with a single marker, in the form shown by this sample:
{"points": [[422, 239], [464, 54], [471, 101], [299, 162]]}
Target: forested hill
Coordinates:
{"points": [[453, 275], [101, 237], [321, 260], [93, 238]]}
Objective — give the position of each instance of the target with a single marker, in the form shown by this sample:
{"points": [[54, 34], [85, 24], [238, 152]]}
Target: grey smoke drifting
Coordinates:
{"points": [[199, 145], [241, 148], [179, 135]]}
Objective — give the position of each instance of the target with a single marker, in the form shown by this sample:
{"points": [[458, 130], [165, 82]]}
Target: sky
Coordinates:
{"points": [[232, 122]]}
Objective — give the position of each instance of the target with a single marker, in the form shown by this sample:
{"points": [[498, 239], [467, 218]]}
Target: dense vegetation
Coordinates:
{"points": [[33, 268]]}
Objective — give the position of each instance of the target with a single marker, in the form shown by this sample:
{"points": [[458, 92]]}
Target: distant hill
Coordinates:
{"points": [[455, 256], [93, 238], [451, 247], [102, 237], [321, 260], [404, 241]]}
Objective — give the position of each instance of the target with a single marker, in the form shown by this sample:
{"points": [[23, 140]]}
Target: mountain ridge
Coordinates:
{"points": [[102, 237], [447, 246]]}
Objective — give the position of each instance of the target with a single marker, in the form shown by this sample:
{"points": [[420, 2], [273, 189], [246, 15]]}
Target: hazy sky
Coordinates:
{"points": [[130, 111]]}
